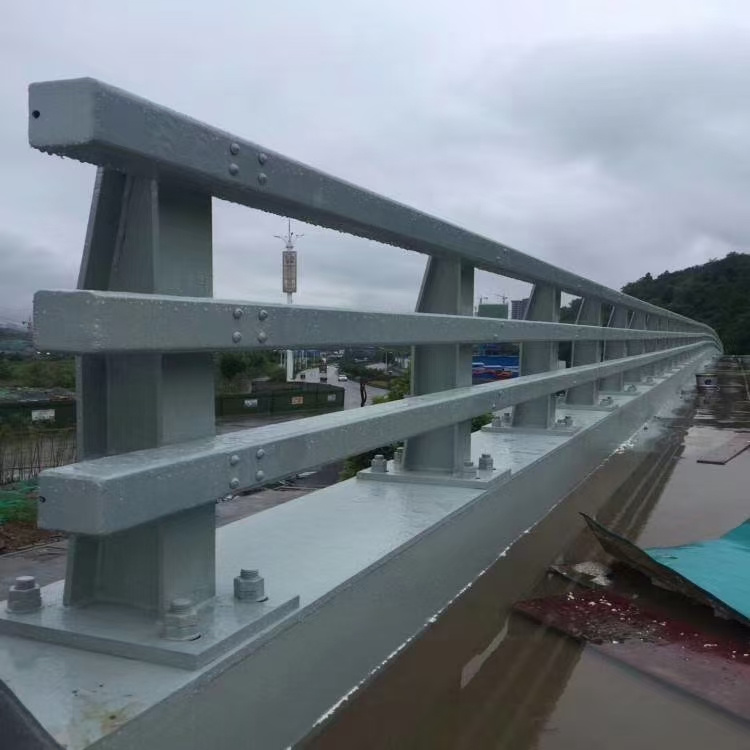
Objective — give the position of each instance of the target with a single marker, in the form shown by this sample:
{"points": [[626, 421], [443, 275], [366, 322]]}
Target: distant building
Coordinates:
{"points": [[518, 308], [495, 349], [492, 311]]}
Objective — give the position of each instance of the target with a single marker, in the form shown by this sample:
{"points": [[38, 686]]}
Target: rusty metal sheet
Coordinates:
{"points": [[714, 572], [713, 669]]}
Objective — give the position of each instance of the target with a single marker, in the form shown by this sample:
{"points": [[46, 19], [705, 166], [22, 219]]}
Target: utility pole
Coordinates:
{"points": [[289, 281]]}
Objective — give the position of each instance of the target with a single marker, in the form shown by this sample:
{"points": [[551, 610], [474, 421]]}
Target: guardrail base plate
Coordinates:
{"points": [[483, 480], [224, 623]]}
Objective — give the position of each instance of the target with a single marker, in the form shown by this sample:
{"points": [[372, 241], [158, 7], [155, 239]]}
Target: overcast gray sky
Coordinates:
{"points": [[611, 138]]}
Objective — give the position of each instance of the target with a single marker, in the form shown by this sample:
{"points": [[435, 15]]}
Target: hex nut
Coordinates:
{"points": [[250, 586], [24, 595], [379, 464], [486, 463]]}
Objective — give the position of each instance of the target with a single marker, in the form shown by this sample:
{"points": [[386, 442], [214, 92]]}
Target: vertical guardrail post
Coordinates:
{"points": [[686, 357], [660, 324], [586, 353], [669, 342], [636, 346], [674, 327], [650, 345], [447, 287], [618, 318], [544, 305], [150, 238]]}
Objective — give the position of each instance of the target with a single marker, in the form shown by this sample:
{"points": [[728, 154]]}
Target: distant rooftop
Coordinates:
{"points": [[21, 395]]}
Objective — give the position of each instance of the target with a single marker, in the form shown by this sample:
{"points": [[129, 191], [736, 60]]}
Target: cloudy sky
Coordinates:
{"points": [[611, 138]]}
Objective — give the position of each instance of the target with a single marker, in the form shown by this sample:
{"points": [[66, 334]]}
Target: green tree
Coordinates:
{"points": [[716, 293], [231, 365], [6, 370]]}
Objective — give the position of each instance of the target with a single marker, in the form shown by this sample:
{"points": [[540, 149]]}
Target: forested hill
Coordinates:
{"points": [[716, 293]]}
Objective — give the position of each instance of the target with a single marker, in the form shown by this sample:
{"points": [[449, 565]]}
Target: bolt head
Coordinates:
{"points": [[234, 149], [262, 336], [24, 583], [235, 483], [262, 314], [262, 158], [260, 475], [234, 169], [260, 453], [237, 313], [234, 459], [236, 337], [262, 178]]}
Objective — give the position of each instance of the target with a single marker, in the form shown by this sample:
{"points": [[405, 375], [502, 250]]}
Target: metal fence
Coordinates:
{"points": [[25, 453], [143, 324]]}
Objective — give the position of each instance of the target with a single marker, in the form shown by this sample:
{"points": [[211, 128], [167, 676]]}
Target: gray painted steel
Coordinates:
{"points": [[636, 347], [616, 349], [447, 287], [94, 322], [114, 493], [587, 352], [100, 124], [223, 624], [148, 238], [544, 305]]}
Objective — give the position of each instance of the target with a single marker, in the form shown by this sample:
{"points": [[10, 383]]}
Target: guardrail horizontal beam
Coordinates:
{"points": [[90, 322], [90, 121], [111, 494]]}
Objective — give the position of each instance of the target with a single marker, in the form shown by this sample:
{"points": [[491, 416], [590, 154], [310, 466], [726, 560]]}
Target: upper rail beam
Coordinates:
{"points": [[110, 494], [91, 322], [90, 121]]}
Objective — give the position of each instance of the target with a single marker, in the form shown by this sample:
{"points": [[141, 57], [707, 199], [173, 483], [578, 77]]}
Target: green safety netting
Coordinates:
{"points": [[18, 501]]}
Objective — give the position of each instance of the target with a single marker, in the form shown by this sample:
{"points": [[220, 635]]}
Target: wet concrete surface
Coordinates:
{"points": [[484, 677], [46, 562]]}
